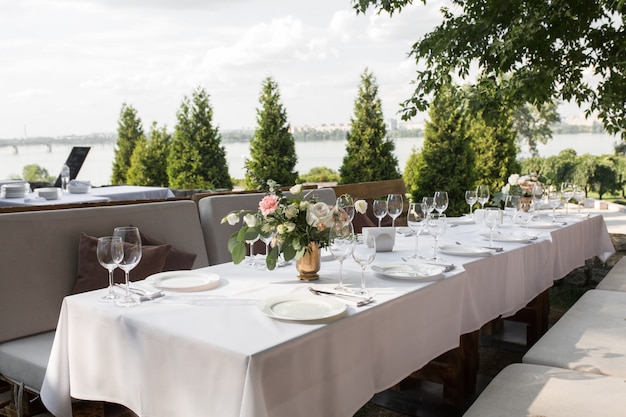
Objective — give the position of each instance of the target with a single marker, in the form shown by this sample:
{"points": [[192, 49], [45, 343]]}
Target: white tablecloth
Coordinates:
{"points": [[99, 194], [224, 357]]}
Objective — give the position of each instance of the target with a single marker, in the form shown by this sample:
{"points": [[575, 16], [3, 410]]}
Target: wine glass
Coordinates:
{"points": [[267, 239], [470, 198], [554, 200], [251, 242], [537, 194], [346, 203], [394, 207], [579, 195], [416, 221], [131, 255], [340, 237], [492, 219], [364, 252], [436, 227], [109, 251], [379, 207], [482, 195], [440, 200], [567, 192], [429, 203]]}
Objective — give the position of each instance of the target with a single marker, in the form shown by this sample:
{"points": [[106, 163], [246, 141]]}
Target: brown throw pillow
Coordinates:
{"points": [[176, 259], [92, 276]]}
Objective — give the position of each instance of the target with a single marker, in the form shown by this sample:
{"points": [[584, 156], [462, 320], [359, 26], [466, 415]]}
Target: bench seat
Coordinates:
{"points": [[615, 280], [25, 359], [590, 337], [522, 390]]}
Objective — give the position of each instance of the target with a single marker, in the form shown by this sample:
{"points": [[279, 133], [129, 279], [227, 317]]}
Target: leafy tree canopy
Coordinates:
{"points": [[149, 160], [535, 51]]}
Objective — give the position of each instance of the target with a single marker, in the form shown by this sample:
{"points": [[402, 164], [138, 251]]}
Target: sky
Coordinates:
{"points": [[67, 66]]}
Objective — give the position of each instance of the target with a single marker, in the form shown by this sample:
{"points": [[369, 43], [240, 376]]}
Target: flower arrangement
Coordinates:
{"points": [[520, 185], [293, 222]]}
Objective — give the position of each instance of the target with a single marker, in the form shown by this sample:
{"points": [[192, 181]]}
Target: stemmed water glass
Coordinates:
{"points": [[429, 203], [267, 239], [340, 244], [482, 195], [567, 192], [364, 252], [416, 220], [436, 227], [470, 199], [346, 203], [379, 207], [579, 195], [131, 255], [394, 207], [109, 251], [440, 200], [492, 219], [554, 200]]}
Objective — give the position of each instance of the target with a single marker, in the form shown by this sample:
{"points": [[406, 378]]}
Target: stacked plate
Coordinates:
{"points": [[49, 193], [14, 190]]}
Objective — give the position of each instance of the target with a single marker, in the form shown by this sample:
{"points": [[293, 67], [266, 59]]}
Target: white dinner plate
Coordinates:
{"points": [[415, 272], [463, 250], [460, 220], [497, 237], [542, 225], [184, 280], [302, 307]]}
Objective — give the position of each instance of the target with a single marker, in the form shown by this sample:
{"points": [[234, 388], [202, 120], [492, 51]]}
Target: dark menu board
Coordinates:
{"points": [[74, 161]]}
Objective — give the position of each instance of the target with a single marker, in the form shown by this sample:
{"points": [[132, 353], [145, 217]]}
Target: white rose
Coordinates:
{"points": [[360, 206], [318, 213], [296, 189], [232, 219], [513, 179], [291, 211], [304, 205], [290, 227], [250, 219], [281, 229]]}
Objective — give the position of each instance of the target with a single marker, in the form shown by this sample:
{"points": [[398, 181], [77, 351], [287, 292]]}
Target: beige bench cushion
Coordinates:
{"points": [[615, 280], [590, 337], [521, 390], [25, 360]]}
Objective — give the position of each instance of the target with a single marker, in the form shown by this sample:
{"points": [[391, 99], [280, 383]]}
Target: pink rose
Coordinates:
{"points": [[269, 204]]}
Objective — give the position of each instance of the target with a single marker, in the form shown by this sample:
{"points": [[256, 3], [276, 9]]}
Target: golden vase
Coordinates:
{"points": [[309, 264]]}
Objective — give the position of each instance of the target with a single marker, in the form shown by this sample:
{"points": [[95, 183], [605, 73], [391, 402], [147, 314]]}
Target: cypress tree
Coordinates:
{"points": [[369, 153], [149, 160], [272, 148], [446, 162], [129, 131], [196, 158]]}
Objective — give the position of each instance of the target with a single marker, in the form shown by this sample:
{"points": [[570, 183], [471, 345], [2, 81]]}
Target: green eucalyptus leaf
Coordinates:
{"points": [[272, 258], [289, 253], [239, 252], [232, 241]]}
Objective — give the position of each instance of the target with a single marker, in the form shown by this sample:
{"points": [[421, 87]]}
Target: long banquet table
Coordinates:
{"points": [[215, 353]]}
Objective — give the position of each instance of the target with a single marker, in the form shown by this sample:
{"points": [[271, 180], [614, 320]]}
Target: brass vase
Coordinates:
{"points": [[309, 265]]}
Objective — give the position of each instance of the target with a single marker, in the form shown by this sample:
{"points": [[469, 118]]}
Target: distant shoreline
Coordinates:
{"points": [[242, 136]]}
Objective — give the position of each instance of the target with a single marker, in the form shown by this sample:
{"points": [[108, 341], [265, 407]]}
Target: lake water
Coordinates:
{"points": [[97, 166]]}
